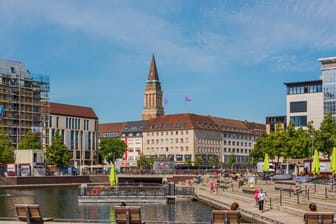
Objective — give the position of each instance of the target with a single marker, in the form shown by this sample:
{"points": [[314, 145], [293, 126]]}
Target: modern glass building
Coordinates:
{"points": [[328, 67], [312, 100]]}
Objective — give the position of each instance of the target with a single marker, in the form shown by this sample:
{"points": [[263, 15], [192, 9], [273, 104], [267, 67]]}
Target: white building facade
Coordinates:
{"points": [[79, 127], [304, 103]]}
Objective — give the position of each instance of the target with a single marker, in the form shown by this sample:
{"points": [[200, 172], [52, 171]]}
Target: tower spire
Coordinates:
{"points": [[153, 94], [153, 73]]}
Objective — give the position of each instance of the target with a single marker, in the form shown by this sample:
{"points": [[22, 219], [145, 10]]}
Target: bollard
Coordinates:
{"points": [[270, 203], [280, 198], [315, 188], [308, 194], [326, 192], [297, 198]]}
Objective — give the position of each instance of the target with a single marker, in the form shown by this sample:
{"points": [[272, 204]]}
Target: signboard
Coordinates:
{"points": [[25, 170], [11, 169]]}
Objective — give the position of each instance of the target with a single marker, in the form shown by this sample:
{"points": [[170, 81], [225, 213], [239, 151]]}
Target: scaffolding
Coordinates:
{"points": [[23, 101]]}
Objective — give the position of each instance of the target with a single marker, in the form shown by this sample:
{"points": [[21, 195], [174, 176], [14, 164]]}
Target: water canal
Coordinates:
{"points": [[61, 203]]}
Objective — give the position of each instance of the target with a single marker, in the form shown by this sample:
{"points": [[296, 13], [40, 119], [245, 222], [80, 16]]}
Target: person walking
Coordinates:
{"points": [[261, 199], [256, 192]]}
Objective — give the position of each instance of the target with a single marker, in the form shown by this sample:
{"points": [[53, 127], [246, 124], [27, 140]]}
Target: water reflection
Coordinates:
{"points": [[61, 203]]}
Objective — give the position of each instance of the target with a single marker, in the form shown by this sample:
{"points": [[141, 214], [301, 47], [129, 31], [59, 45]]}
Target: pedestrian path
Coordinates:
{"points": [[248, 208]]}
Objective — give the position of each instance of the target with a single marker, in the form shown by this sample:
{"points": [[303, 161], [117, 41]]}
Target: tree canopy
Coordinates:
{"points": [[30, 141], [112, 148], [296, 142], [5, 148], [57, 153]]}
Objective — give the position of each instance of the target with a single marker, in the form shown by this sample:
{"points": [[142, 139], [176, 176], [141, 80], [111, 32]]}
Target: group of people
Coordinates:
{"points": [[260, 198]]}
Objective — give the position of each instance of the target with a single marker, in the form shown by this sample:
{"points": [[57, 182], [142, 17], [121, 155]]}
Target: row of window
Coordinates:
{"points": [[293, 90], [200, 141], [238, 159], [170, 125], [238, 136], [299, 120], [233, 150], [70, 123], [330, 107], [237, 143], [158, 141], [166, 149], [75, 139], [157, 133]]}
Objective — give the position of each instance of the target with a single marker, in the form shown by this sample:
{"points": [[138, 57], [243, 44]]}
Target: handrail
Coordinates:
{"points": [[253, 214]]}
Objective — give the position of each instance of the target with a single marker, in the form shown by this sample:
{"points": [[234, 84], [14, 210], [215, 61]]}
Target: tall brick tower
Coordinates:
{"points": [[153, 94]]}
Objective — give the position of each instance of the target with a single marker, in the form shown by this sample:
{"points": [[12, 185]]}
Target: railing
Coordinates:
{"points": [[135, 190]]}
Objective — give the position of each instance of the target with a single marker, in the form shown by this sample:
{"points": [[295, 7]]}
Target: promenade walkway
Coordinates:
{"points": [[248, 208], [291, 210]]}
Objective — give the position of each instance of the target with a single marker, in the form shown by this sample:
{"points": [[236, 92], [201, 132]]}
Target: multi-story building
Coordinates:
{"points": [[130, 132], [23, 100], [79, 127], [179, 137], [311, 100], [305, 103], [272, 121], [328, 67]]}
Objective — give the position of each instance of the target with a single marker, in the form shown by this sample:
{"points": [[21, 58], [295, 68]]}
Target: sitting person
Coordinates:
{"points": [[312, 207], [234, 206]]}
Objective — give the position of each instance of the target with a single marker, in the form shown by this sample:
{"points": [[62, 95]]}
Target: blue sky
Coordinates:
{"points": [[231, 57]]}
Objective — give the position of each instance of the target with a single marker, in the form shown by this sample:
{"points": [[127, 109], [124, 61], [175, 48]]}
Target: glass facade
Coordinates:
{"points": [[329, 89], [299, 121], [306, 88]]}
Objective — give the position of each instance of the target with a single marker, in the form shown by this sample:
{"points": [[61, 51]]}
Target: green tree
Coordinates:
{"points": [[213, 162], [325, 136], [5, 148], [143, 161], [198, 161], [260, 147], [57, 153], [112, 148], [30, 141], [188, 161]]}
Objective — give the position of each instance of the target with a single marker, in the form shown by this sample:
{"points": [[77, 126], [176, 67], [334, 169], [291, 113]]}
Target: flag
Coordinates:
{"points": [[165, 101], [187, 99], [113, 176]]}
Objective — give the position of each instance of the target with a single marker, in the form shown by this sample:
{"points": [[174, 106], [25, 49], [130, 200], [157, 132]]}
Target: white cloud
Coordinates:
{"points": [[261, 31]]}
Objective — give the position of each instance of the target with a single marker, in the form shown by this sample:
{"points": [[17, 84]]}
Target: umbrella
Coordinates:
{"points": [[316, 163], [113, 176], [266, 163], [333, 161]]}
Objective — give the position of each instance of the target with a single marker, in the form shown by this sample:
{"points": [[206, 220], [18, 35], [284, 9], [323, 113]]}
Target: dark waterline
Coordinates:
{"points": [[61, 203]]}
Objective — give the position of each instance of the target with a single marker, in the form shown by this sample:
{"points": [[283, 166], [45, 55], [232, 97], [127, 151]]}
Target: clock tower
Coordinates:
{"points": [[153, 94]]}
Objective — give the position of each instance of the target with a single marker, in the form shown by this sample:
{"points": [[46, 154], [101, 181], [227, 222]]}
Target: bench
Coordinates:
{"points": [[319, 218], [128, 215], [225, 216], [30, 213]]}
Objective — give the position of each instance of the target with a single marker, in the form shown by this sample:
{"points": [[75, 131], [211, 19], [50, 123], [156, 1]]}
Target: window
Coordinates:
{"points": [[57, 121], [300, 106], [299, 120]]}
